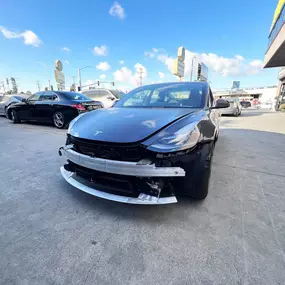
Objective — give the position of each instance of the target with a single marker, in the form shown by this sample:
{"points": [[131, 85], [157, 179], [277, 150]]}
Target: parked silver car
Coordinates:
{"points": [[234, 109], [8, 100]]}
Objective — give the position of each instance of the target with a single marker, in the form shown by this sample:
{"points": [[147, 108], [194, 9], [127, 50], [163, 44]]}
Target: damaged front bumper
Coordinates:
{"points": [[143, 169]]}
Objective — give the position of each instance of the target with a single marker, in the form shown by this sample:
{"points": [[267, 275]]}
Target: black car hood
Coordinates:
{"points": [[125, 125]]}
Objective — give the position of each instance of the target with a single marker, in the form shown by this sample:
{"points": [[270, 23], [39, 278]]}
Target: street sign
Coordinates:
{"points": [[202, 72], [59, 75], [236, 85], [178, 68], [181, 54]]}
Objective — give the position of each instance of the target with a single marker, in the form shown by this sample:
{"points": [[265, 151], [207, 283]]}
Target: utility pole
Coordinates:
{"points": [[140, 72], [38, 84], [192, 68], [79, 78], [48, 84]]}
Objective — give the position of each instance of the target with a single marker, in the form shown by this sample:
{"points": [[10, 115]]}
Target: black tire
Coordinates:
{"points": [[196, 183], [15, 118], [59, 120]]}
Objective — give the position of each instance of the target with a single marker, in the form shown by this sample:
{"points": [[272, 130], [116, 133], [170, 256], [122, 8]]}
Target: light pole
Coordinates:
{"points": [[79, 75], [192, 67]]}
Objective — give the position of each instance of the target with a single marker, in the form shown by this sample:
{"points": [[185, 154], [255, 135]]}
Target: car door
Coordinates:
{"points": [[26, 110], [44, 107]]}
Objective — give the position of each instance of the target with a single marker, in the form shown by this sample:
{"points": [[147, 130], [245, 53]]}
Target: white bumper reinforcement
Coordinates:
{"points": [[120, 167], [142, 199]]}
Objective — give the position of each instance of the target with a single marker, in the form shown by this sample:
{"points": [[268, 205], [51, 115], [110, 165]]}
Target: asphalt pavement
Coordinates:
{"points": [[52, 233]]}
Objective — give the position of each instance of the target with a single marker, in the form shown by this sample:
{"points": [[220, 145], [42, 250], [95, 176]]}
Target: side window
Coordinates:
{"points": [[104, 93], [48, 96], [35, 97], [210, 102]]}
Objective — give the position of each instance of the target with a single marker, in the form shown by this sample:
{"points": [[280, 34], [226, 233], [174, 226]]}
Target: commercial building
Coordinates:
{"points": [[266, 94], [275, 54]]}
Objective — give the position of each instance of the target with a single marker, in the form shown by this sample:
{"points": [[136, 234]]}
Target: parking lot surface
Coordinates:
{"points": [[52, 233]]}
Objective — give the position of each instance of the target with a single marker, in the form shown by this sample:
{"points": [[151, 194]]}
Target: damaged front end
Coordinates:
{"points": [[123, 173]]}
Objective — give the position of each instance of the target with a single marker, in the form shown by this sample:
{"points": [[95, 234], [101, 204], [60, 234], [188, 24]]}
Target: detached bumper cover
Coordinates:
{"points": [[143, 199], [120, 167]]}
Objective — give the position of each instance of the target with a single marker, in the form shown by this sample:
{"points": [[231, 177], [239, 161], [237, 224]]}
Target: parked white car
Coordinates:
{"points": [[234, 109], [106, 96], [7, 100]]}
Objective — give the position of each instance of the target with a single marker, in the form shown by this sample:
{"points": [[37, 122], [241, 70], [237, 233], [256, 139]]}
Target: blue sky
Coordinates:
{"points": [[117, 38]]}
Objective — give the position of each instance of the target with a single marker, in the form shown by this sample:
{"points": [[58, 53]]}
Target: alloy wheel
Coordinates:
{"points": [[58, 120]]}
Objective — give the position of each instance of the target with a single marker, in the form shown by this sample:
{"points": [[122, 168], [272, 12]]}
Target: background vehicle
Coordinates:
{"points": [[234, 108], [7, 100], [107, 97], [156, 142], [58, 107], [245, 104]]}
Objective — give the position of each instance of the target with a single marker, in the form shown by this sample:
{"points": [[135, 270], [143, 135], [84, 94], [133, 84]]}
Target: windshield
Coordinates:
{"points": [[74, 96], [167, 95]]}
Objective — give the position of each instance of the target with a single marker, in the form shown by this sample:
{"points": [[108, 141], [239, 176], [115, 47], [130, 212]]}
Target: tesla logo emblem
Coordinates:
{"points": [[97, 133]]}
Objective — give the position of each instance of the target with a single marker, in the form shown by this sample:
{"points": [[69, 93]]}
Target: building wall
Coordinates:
{"points": [[266, 94]]}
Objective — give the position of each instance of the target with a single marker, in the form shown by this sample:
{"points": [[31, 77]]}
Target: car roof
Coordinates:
{"points": [[179, 83]]}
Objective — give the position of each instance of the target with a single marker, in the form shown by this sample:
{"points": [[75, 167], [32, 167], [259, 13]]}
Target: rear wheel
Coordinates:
{"points": [[14, 117], [196, 183], [59, 120]]}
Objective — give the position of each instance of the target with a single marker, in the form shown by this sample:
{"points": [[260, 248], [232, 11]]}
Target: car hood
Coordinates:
{"points": [[125, 125]]}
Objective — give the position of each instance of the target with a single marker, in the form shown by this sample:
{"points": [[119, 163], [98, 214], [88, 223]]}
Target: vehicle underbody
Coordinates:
{"points": [[127, 172]]}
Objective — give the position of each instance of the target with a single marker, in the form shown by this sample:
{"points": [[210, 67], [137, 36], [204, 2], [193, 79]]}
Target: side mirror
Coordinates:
{"points": [[24, 100], [221, 104]]}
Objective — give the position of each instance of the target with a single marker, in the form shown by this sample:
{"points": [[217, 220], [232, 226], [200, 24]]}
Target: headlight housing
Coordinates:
{"points": [[74, 121], [184, 138]]}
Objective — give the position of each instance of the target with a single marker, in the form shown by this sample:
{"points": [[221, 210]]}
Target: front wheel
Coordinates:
{"points": [[59, 120], [15, 118], [195, 184]]}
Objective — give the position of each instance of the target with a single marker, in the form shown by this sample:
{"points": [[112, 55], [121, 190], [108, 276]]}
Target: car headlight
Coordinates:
{"points": [[184, 138], [74, 121]]}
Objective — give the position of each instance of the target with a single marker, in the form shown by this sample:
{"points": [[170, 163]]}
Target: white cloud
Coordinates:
{"points": [[102, 76], [130, 77], [66, 49], [101, 51], [155, 50], [66, 62], [239, 57], [235, 66], [117, 11], [121, 62], [104, 66], [123, 74], [30, 38], [161, 75]]}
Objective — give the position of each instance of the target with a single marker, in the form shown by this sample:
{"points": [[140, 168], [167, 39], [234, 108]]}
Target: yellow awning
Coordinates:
{"points": [[277, 12]]}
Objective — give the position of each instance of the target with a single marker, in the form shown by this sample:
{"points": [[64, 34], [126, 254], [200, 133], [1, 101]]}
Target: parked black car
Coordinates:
{"points": [[155, 143], [245, 104], [58, 107]]}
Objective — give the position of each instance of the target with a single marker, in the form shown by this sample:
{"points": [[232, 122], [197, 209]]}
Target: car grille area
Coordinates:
{"points": [[112, 183], [111, 151]]}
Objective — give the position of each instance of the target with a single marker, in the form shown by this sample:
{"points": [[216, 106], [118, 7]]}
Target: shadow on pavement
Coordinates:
{"points": [[157, 213]]}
